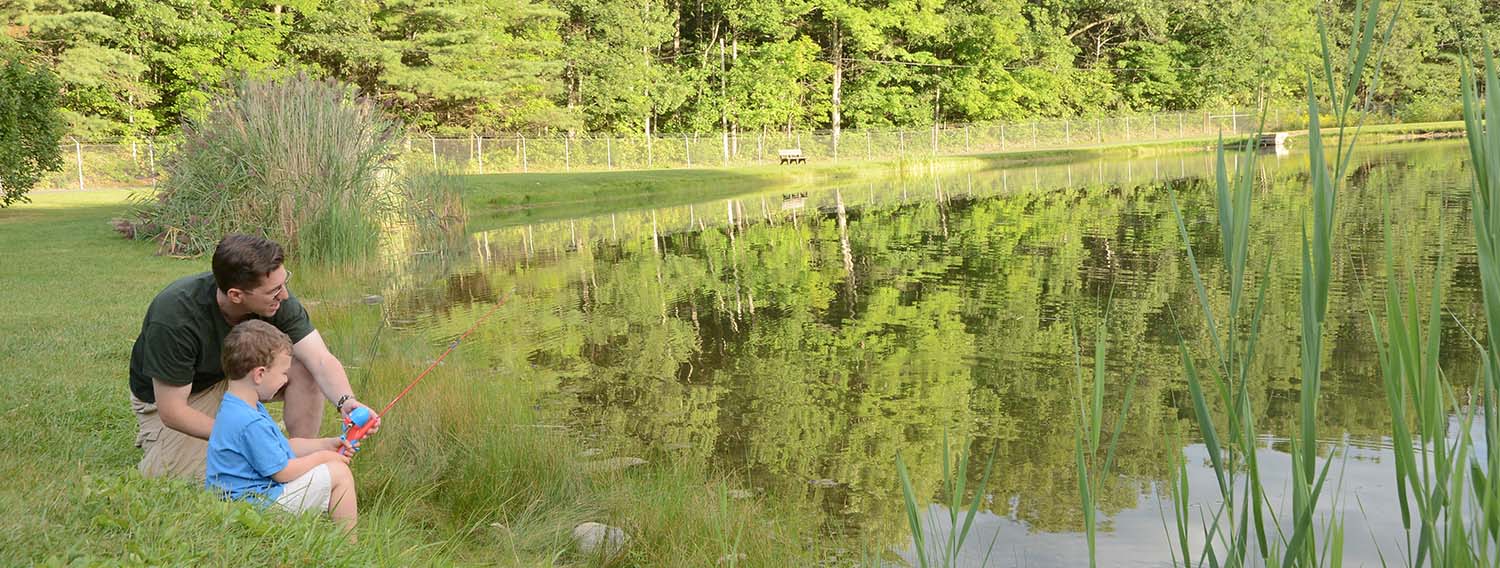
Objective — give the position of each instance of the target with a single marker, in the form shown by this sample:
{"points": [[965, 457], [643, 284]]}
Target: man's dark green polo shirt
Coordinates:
{"points": [[184, 332]]}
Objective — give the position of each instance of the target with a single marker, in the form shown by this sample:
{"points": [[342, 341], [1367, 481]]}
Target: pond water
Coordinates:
{"points": [[799, 339]]}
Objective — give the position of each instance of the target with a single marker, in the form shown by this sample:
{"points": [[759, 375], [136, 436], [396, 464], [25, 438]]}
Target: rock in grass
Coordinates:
{"points": [[599, 539], [822, 483], [732, 559], [611, 464], [740, 493]]}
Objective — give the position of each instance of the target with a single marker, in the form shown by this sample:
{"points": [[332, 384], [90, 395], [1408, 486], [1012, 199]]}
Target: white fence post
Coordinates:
{"points": [[479, 144], [524, 165], [434, 151], [687, 150], [78, 154], [609, 152]]}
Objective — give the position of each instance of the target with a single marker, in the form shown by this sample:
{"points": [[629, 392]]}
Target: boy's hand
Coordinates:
{"points": [[332, 456], [337, 444]]}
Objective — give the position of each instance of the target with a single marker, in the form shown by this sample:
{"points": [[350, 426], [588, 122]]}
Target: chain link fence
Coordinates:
{"points": [[137, 163]]}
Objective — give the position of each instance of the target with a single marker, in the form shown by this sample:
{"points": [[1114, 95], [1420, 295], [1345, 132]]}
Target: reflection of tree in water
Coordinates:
{"points": [[757, 348]]}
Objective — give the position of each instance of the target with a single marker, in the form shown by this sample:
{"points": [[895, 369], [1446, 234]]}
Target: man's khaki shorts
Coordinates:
{"points": [[169, 452]]}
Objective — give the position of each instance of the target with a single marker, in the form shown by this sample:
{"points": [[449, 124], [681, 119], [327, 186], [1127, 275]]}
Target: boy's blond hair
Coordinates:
{"points": [[253, 343]]}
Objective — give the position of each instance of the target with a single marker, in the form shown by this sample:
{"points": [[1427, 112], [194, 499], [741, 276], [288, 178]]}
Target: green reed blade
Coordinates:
{"points": [[1087, 495], [984, 482], [1205, 422], [1328, 75], [1096, 417], [911, 512], [1302, 536], [1208, 313], [1368, 20], [1114, 436]]}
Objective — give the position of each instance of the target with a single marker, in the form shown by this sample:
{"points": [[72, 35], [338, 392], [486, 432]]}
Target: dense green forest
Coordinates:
{"points": [[137, 67]]}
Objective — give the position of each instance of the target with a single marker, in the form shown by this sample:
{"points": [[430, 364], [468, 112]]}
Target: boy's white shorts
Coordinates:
{"points": [[310, 492]]}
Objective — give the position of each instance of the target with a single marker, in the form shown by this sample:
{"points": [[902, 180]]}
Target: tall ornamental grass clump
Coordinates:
{"points": [[306, 162]]}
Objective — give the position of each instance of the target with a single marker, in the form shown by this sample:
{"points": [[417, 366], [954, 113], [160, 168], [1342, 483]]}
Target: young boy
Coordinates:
{"points": [[249, 458]]}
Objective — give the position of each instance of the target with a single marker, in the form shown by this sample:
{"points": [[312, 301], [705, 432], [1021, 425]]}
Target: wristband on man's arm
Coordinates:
{"points": [[339, 406]]}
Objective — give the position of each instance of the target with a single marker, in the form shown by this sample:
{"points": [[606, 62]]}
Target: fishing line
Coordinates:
{"points": [[450, 349]]}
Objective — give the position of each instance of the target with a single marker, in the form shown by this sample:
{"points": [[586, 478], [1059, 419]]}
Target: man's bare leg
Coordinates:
{"points": [[303, 410]]}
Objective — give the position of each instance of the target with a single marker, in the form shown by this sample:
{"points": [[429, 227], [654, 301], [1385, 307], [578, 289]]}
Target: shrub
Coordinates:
{"points": [[302, 161], [1431, 109], [30, 127]]}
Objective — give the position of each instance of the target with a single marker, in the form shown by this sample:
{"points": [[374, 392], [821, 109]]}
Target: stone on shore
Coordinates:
{"points": [[599, 539]]}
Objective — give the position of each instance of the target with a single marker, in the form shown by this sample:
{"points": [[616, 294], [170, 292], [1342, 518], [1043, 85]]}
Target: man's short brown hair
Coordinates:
{"points": [[253, 343], [242, 261]]}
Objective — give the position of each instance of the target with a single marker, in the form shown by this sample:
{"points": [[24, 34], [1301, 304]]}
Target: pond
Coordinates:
{"points": [[799, 339]]}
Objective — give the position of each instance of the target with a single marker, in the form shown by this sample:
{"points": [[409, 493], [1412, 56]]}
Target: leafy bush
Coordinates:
{"points": [[1431, 109], [30, 126], [302, 161]]}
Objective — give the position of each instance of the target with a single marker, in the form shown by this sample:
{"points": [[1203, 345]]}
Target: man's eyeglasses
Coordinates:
{"points": [[274, 292]]}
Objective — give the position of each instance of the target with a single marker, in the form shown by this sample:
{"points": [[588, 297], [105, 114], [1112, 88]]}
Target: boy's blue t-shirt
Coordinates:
{"points": [[244, 450]]}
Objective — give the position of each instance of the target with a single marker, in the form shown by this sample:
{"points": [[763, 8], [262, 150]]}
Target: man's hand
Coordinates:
{"points": [[353, 403]]}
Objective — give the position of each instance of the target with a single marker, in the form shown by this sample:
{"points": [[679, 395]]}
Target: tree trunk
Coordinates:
{"points": [[723, 102], [838, 83]]}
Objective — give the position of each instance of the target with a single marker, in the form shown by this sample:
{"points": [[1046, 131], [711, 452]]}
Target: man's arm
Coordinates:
{"points": [[172, 404], [325, 368], [329, 373]]}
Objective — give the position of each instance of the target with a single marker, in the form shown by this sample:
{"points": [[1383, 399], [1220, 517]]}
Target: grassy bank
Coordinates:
{"points": [[461, 476], [501, 200]]}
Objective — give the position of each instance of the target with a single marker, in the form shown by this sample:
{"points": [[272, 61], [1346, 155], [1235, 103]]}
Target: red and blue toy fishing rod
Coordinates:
{"points": [[359, 422]]}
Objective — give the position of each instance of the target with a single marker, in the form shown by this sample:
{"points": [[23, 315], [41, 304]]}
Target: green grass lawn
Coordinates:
{"points": [[501, 200], [506, 495]]}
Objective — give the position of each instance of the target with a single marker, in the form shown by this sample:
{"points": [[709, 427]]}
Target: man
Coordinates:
{"points": [[176, 379]]}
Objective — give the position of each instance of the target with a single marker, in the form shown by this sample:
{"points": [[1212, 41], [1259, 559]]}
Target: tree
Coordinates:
{"points": [[613, 81], [454, 66], [30, 126], [103, 83]]}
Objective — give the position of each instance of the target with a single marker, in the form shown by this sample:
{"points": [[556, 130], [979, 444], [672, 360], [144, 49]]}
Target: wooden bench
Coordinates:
{"points": [[1273, 140], [791, 156]]}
